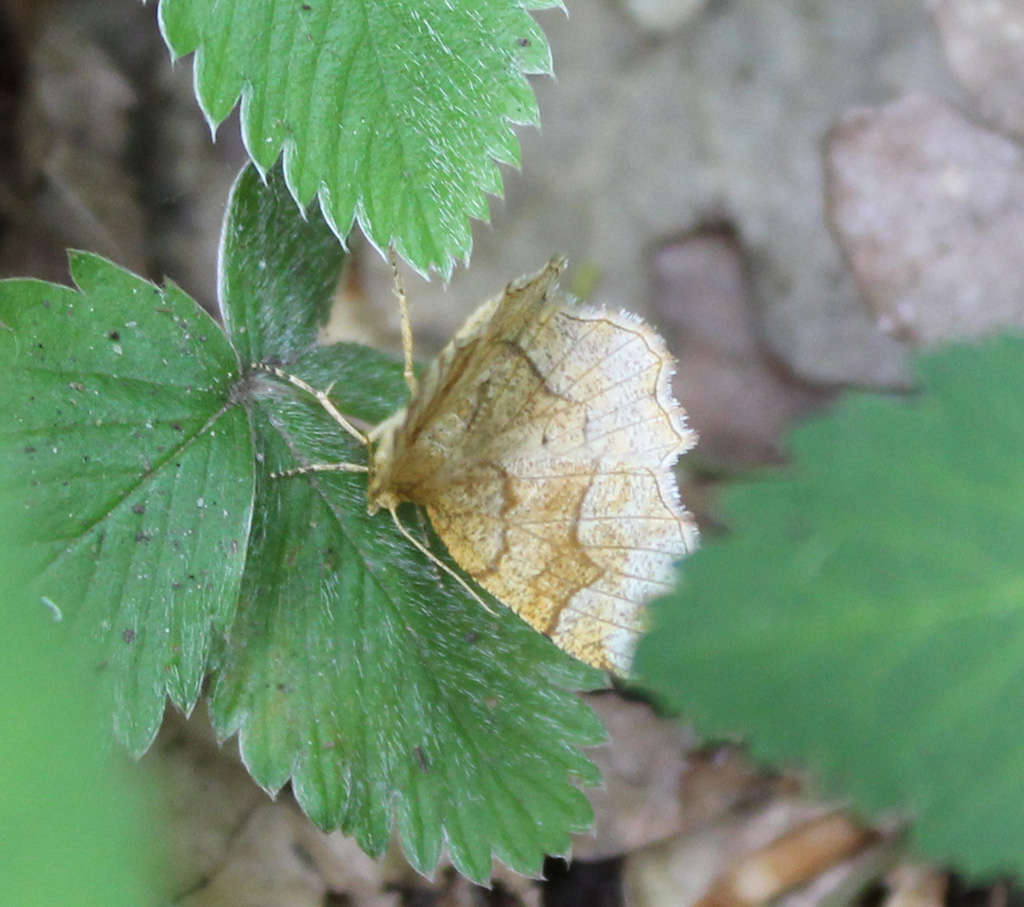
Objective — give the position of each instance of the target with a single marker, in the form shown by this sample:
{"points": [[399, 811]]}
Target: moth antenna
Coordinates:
{"points": [[319, 467], [403, 307], [437, 561], [321, 398]]}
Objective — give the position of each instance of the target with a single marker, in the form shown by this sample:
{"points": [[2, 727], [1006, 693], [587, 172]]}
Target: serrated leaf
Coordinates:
{"points": [[364, 674], [395, 113], [865, 614], [348, 662], [137, 476], [267, 252]]}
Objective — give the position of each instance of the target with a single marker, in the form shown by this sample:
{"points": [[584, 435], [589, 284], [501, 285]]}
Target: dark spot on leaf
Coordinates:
{"points": [[30, 450], [102, 666], [175, 585], [114, 335], [421, 759], [128, 635], [281, 687], [46, 303], [176, 426], [471, 637], [138, 508], [524, 42], [306, 7], [143, 537], [85, 458]]}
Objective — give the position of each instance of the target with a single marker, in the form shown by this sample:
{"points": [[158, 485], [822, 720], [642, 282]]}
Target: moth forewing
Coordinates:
{"points": [[541, 442]]}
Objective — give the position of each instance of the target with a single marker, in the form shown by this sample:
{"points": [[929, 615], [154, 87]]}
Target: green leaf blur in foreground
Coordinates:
{"points": [[866, 613], [71, 825], [345, 660], [395, 111]]}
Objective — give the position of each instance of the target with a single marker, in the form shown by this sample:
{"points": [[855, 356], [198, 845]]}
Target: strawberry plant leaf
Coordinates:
{"points": [[349, 664], [396, 114], [268, 252], [865, 613], [137, 477], [364, 674]]}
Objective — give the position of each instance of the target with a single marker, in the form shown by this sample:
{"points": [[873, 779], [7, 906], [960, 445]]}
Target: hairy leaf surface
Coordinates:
{"points": [[396, 114]]}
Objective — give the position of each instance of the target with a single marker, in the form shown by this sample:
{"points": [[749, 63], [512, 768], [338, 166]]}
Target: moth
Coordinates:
{"points": [[541, 443]]}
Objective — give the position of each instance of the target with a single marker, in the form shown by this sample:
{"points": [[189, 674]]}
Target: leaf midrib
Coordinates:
{"points": [[73, 542]]}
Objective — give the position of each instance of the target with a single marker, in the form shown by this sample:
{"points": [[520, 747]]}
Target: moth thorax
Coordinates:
{"points": [[380, 494], [391, 481], [400, 473]]}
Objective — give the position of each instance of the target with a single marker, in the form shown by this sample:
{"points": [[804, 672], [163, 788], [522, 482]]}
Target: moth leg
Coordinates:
{"points": [[424, 550], [319, 467], [321, 398], [403, 306]]}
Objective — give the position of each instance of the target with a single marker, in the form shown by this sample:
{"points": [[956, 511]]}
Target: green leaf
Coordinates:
{"points": [[137, 477], [866, 613], [57, 772], [395, 112], [366, 675], [269, 252], [347, 661]]}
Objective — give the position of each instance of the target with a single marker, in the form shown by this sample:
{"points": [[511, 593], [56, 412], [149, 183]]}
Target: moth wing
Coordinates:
{"points": [[478, 354], [542, 444], [576, 552]]}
